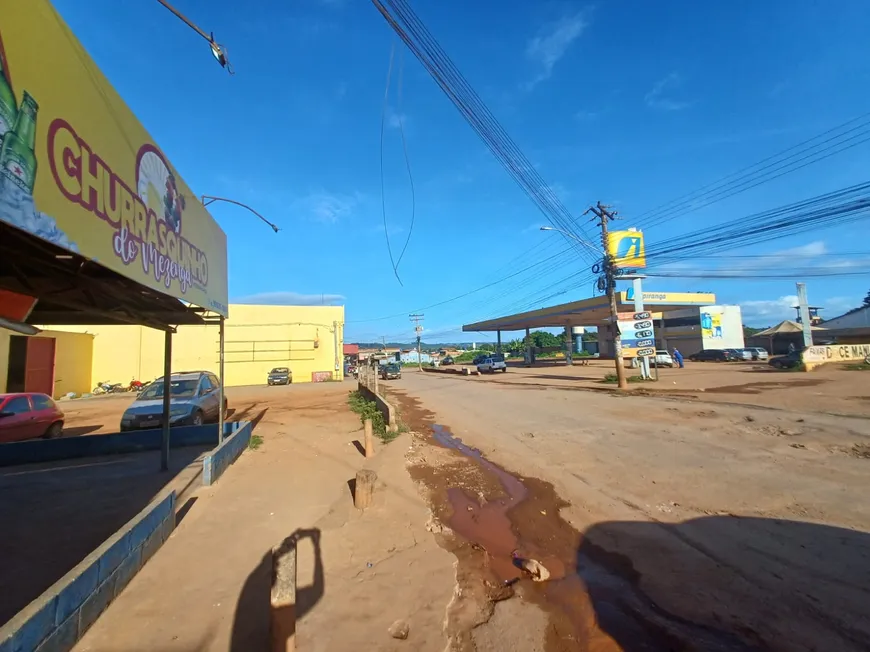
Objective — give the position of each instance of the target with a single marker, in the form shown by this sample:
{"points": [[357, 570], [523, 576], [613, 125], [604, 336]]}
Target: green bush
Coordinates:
{"points": [[367, 409], [613, 378]]}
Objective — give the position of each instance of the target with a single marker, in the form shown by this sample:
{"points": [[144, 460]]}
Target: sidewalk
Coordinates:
{"points": [[208, 587]]}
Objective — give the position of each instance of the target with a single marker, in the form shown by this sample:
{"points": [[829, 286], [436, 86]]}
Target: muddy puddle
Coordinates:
{"points": [[592, 598]]}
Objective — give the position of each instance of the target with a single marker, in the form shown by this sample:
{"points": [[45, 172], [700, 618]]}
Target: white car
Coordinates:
{"points": [[492, 364], [758, 353], [664, 359]]}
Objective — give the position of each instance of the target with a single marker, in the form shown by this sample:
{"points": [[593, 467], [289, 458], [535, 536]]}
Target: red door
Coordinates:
{"points": [[39, 371]]}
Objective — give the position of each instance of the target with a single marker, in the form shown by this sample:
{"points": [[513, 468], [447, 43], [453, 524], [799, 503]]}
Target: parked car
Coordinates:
{"points": [[280, 376], [758, 353], [390, 371], [447, 360], [788, 361], [491, 364], [740, 354], [480, 358], [29, 415], [193, 400], [664, 359], [713, 355]]}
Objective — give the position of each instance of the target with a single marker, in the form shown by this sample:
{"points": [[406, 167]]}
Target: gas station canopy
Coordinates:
{"points": [[591, 312]]}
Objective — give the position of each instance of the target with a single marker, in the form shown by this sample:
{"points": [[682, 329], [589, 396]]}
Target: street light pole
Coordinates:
{"points": [[208, 199]]}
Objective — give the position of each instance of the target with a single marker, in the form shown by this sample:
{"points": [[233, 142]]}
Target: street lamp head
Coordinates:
{"points": [[219, 52]]}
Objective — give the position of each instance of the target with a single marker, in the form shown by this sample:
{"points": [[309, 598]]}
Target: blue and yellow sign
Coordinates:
{"points": [[627, 249]]}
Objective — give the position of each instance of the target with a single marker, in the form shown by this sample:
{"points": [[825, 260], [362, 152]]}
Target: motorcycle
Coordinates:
{"points": [[135, 386], [106, 387]]}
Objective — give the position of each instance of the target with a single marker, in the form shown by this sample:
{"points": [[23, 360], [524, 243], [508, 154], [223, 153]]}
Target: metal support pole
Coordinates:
{"points": [[221, 416], [498, 342], [167, 376]]}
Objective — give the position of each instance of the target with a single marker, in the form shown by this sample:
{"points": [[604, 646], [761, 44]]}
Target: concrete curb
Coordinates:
{"points": [[58, 618], [221, 458], [456, 371], [384, 406]]}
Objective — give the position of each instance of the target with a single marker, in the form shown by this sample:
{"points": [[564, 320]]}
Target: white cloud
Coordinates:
{"points": [[659, 96], [396, 120], [291, 299], [552, 42], [768, 312], [326, 207]]}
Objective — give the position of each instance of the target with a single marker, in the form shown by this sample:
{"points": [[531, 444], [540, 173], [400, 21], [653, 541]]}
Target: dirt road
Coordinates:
{"points": [[666, 525]]}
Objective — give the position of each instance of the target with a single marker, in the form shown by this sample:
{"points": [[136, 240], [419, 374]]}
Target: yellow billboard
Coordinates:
{"points": [[670, 298], [627, 249], [77, 169]]}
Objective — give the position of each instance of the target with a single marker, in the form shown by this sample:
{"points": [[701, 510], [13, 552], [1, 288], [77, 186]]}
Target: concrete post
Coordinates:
{"points": [[528, 348], [806, 323], [569, 345]]}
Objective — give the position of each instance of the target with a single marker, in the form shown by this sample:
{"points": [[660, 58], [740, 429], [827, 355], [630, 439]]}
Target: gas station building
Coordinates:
{"points": [[690, 321]]}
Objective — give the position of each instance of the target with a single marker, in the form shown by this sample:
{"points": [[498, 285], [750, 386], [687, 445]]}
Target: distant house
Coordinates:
{"points": [[851, 327]]}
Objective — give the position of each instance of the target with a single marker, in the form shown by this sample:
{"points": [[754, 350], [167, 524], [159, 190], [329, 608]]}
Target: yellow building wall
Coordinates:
{"points": [[307, 339], [73, 354]]}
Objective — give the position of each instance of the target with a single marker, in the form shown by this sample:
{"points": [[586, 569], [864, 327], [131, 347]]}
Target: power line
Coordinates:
{"points": [[470, 292], [401, 119], [416, 36], [762, 171], [384, 108]]}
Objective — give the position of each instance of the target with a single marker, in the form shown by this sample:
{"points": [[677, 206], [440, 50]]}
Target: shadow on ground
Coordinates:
{"points": [[76, 431], [55, 514], [723, 583], [254, 616], [249, 413]]}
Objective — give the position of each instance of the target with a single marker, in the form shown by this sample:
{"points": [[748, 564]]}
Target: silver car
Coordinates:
{"points": [[758, 353], [193, 400]]}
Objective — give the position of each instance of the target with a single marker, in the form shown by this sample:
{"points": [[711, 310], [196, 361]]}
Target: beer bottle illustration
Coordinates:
{"points": [[17, 158], [8, 106]]}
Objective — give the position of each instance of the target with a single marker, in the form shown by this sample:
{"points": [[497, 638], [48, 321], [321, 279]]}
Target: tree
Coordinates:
{"points": [[867, 299], [543, 339], [514, 345]]}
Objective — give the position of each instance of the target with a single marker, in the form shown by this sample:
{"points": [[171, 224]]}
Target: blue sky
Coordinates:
{"points": [[631, 103]]}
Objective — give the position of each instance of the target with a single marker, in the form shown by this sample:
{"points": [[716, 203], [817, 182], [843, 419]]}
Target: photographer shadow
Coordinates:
{"points": [[255, 619]]}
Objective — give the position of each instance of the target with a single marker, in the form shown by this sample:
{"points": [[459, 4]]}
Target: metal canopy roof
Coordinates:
{"points": [[72, 290], [588, 312]]}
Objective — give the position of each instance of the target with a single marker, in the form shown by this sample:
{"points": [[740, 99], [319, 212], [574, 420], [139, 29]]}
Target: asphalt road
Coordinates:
{"points": [[748, 520]]}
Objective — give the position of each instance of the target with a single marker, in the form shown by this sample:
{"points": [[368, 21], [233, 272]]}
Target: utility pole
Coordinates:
{"points": [[803, 307], [604, 215], [418, 329]]}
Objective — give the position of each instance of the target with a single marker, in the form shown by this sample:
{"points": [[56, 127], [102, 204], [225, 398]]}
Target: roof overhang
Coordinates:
{"points": [[73, 290], [590, 312]]}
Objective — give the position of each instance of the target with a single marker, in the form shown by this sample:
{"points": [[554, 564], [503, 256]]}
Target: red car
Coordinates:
{"points": [[29, 415]]}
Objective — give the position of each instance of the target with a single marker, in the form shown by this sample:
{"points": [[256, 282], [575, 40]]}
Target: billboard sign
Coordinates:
{"points": [[711, 325], [627, 249], [672, 298], [636, 334], [78, 170]]}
